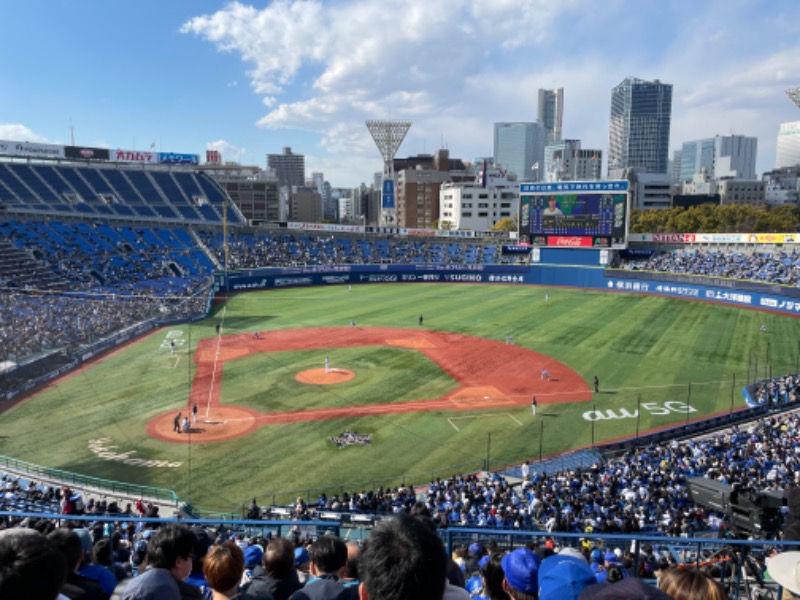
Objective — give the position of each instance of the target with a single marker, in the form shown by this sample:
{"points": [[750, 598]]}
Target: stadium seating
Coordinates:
{"points": [[120, 193], [155, 235]]}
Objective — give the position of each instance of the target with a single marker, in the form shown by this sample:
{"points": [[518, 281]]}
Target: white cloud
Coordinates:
{"points": [[455, 67], [20, 133], [228, 151]]}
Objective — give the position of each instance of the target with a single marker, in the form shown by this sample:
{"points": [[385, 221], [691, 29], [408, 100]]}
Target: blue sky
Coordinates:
{"points": [[251, 78]]}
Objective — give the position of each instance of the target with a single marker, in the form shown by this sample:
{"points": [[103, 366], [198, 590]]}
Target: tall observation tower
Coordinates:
{"points": [[388, 136], [794, 94]]}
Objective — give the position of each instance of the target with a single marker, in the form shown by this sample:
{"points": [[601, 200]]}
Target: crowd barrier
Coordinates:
{"points": [[737, 563]]}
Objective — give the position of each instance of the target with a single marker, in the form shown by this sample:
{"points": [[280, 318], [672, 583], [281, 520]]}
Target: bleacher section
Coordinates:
{"points": [[114, 193]]}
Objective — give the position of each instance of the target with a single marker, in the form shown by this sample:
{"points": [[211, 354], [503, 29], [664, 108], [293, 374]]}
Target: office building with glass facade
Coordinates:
{"points": [[641, 115]]}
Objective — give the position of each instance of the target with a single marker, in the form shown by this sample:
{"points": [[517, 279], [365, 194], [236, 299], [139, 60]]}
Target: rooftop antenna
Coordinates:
{"points": [[71, 133]]}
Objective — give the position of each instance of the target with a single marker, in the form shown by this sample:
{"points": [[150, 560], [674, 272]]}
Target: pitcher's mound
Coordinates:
{"points": [[320, 377]]}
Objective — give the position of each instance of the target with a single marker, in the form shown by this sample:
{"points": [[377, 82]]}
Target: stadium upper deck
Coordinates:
{"points": [[114, 192]]}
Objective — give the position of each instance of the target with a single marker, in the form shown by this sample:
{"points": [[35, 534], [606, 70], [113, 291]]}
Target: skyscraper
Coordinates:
{"points": [[638, 137], [735, 156], [550, 112], [696, 156], [290, 169], [788, 149], [519, 148], [729, 156]]}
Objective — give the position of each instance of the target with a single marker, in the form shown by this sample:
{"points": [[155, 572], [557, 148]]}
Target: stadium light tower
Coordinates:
{"points": [[794, 94], [388, 135]]}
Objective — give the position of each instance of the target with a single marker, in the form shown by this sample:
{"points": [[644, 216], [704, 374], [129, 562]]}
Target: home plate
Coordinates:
{"points": [[486, 397]]}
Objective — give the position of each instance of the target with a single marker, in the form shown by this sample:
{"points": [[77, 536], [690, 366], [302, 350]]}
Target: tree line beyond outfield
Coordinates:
{"points": [[711, 218]]}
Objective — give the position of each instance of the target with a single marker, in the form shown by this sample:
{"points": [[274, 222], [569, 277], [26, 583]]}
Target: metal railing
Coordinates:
{"points": [[738, 564], [50, 476]]}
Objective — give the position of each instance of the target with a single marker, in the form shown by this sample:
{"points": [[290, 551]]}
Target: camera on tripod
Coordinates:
{"points": [[748, 513]]}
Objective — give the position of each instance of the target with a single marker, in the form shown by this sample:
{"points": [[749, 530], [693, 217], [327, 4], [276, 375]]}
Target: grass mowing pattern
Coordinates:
{"points": [[644, 349], [376, 367]]}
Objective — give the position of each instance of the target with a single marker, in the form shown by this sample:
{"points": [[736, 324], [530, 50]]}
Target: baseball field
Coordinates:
{"points": [[276, 374]]}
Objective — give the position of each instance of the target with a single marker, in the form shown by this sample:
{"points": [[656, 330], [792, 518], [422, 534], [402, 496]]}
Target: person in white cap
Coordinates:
{"points": [[785, 569]]}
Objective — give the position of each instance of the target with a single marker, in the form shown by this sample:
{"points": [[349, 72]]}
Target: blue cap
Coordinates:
{"points": [[253, 555], [611, 557], [563, 577], [474, 585], [597, 555], [301, 557], [521, 568], [475, 548]]}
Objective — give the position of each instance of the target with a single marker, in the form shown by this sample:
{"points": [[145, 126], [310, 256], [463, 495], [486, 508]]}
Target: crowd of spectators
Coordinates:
{"points": [[778, 267], [129, 275], [108, 286], [113, 277], [643, 491], [780, 390], [264, 249], [402, 558]]}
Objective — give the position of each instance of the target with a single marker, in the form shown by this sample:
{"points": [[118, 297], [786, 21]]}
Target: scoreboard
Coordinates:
{"points": [[577, 214]]}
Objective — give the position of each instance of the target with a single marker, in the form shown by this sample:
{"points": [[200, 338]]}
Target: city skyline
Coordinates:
{"points": [[249, 79]]}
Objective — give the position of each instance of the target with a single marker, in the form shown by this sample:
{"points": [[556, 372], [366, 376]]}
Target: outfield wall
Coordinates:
{"points": [[555, 268]]}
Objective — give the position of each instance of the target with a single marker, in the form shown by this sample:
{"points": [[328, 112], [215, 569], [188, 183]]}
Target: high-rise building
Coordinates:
{"points": [[550, 112], [788, 149], [782, 186], [723, 156], [696, 155], [289, 168], [553, 169], [419, 180], [519, 148], [735, 156], [306, 206], [638, 137], [258, 200], [565, 161], [478, 205], [677, 159]]}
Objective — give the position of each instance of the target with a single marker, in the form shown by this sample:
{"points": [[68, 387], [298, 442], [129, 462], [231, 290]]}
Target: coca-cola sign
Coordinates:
{"points": [[570, 241]]}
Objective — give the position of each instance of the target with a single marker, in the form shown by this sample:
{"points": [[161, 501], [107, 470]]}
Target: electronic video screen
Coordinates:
{"points": [[576, 219]]}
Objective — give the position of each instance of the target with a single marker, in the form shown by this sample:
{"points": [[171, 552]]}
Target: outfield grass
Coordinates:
{"points": [[645, 350]]}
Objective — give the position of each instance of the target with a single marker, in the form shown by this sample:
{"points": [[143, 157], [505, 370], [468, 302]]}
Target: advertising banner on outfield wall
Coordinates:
{"points": [[29, 150], [552, 274], [256, 279], [715, 238], [696, 292], [325, 227]]}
